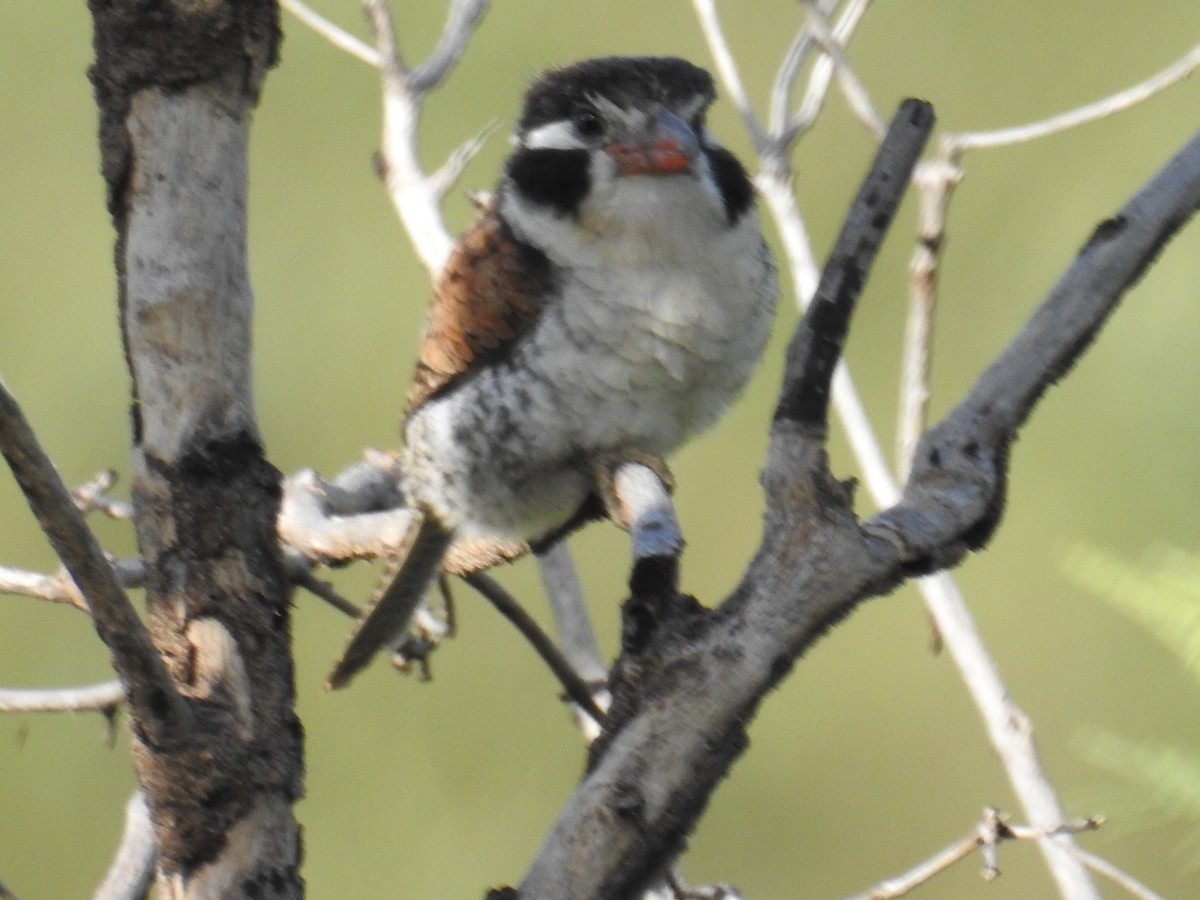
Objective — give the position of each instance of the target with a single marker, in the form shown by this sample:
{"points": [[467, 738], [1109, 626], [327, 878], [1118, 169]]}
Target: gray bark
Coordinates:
{"points": [[175, 84]]}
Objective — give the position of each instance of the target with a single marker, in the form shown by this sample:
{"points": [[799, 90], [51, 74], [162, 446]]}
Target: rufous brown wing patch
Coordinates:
{"points": [[488, 295]]}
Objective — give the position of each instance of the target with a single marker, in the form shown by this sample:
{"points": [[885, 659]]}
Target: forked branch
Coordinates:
{"points": [[687, 684], [687, 681]]}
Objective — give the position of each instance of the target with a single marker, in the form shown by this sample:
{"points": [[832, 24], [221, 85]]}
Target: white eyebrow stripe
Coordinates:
{"points": [[558, 135]]}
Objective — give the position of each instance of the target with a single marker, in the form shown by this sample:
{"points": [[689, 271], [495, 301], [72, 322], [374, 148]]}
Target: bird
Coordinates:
{"points": [[610, 302]]}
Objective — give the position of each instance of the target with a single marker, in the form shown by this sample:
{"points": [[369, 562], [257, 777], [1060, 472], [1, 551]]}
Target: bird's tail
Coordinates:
{"points": [[386, 621]]}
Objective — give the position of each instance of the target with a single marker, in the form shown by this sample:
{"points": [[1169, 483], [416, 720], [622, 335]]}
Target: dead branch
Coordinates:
{"points": [[687, 681], [104, 697], [132, 871], [991, 831], [649, 777], [152, 695]]}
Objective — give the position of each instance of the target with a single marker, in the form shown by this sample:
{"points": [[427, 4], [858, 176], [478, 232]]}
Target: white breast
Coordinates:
{"points": [[653, 330]]}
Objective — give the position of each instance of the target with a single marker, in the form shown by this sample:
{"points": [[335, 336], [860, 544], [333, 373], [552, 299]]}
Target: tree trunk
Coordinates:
{"points": [[176, 83]]}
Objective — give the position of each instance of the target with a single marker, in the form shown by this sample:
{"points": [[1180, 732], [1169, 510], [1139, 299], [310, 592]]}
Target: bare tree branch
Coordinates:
{"points": [[975, 438], [415, 195], [789, 71], [462, 19], [577, 638], [960, 464], [578, 690], [160, 710], [932, 181], [570, 614], [1008, 728], [56, 587], [815, 565], [991, 831], [93, 495], [852, 88], [132, 871], [688, 681], [451, 170], [104, 697], [336, 35], [955, 144], [358, 515], [706, 12], [787, 130], [326, 592], [936, 180], [817, 344], [1124, 880]]}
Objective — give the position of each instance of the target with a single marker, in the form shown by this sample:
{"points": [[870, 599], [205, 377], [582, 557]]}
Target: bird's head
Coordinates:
{"points": [[618, 139]]}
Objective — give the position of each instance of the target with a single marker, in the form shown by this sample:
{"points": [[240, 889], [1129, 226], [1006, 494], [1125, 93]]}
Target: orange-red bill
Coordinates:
{"points": [[658, 157]]}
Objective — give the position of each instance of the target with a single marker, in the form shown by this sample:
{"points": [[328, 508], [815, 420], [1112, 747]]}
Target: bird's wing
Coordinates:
{"points": [[490, 293]]}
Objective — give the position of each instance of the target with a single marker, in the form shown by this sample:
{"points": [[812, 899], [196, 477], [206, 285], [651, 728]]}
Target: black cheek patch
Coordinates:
{"points": [[732, 182], [558, 179]]}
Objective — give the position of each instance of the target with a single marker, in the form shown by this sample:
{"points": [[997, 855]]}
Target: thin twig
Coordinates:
{"points": [[936, 180], [856, 93], [451, 170], [933, 182], [56, 588], [988, 834], [328, 593], [576, 636], [578, 690], [955, 144], [789, 71], [822, 76], [93, 495], [336, 35], [1119, 877], [706, 12], [104, 697], [574, 627], [785, 77]]}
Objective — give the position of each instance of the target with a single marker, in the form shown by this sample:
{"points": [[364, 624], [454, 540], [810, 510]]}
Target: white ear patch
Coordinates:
{"points": [[554, 136]]}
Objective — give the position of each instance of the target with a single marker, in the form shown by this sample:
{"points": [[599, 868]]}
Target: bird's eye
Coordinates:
{"points": [[588, 123]]}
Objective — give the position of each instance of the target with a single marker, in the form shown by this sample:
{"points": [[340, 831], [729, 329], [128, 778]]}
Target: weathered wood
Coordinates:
{"points": [[176, 83]]}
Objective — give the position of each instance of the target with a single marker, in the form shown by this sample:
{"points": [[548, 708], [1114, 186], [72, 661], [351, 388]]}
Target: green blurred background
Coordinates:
{"points": [[871, 756]]}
